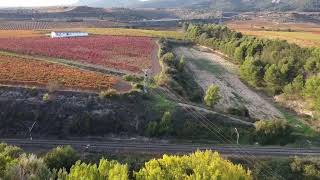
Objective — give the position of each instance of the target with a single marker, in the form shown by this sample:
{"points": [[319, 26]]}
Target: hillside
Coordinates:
{"points": [[235, 5]]}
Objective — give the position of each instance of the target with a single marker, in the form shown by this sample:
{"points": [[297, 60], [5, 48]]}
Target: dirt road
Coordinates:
{"points": [[209, 68]]}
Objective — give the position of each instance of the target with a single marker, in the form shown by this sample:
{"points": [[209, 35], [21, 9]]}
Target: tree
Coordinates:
{"points": [[193, 32], [61, 157], [199, 165], [151, 129], [251, 70], [272, 132], [312, 66], [8, 155], [240, 53], [29, 167], [165, 125], [273, 78], [294, 89], [105, 170], [212, 96], [306, 168], [312, 87], [185, 27]]}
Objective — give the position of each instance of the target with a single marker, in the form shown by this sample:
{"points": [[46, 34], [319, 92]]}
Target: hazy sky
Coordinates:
{"points": [[28, 3]]}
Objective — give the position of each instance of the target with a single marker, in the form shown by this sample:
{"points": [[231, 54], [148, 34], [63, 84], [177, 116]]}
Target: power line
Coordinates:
{"points": [[207, 124]]}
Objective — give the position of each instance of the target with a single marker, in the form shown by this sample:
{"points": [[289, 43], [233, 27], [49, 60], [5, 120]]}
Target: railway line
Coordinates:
{"points": [[160, 147]]}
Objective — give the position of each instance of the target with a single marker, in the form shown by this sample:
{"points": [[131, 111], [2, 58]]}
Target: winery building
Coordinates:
{"points": [[68, 34]]}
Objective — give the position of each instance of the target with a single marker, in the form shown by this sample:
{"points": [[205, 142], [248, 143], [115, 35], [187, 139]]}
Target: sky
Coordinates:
{"points": [[30, 3]]}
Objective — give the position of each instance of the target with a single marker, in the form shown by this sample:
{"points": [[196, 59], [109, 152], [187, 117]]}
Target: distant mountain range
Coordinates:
{"points": [[226, 5]]}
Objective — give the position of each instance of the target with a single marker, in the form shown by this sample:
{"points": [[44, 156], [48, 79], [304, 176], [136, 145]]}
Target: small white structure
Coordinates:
{"points": [[68, 34]]}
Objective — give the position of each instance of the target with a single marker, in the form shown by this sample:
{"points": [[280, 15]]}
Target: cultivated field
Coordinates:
{"points": [[34, 25], [303, 34], [210, 69], [131, 32], [117, 52], [19, 71], [19, 33]]}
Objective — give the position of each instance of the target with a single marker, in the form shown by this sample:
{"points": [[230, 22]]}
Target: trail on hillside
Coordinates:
{"points": [[209, 68]]}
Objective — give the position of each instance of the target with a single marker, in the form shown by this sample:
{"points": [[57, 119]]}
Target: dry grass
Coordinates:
{"points": [[130, 32], [303, 34], [303, 39], [19, 33]]}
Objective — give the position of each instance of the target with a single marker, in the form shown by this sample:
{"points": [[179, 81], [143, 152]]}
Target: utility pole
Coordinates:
{"points": [[145, 80], [30, 130], [238, 135]]}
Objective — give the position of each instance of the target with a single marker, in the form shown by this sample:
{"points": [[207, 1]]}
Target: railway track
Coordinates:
{"points": [[159, 148]]}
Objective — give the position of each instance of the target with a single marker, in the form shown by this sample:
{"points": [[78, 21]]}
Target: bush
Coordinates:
{"points": [[239, 111], [168, 58], [133, 78], [212, 96], [199, 165], [61, 157], [294, 89], [152, 129], [105, 170], [47, 97], [165, 125], [29, 167], [107, 94], [273, 132]]}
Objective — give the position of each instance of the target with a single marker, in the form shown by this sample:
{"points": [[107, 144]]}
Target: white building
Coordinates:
{"points": [[68, 34]]}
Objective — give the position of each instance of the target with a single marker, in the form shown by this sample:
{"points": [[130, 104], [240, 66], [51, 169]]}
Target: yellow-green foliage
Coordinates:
{"points": [[199, 165], [106, 170], [212, 95], [107, 94]]}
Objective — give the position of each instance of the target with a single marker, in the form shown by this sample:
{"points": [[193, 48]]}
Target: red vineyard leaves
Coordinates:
{"points": [[124, 53], [17, 71]]}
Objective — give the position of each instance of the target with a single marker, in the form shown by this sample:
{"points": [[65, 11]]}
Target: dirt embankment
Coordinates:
{"points": [[209, 68]]}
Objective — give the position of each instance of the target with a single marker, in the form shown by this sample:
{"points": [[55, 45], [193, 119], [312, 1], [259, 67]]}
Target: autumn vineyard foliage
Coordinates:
{"points": [[16, 71], [124, 53]]}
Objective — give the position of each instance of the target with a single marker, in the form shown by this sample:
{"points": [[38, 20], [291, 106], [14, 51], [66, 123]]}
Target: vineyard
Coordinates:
{"points": [[132, 32], [122, 53], [34, 25], [15, 71]]}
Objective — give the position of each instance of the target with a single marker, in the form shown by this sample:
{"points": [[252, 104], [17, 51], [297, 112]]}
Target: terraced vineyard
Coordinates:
{"points": [[18, 71]]}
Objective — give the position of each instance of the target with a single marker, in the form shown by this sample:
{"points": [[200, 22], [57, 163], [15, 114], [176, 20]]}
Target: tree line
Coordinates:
{"points": [[273, 65], [62, 163]]}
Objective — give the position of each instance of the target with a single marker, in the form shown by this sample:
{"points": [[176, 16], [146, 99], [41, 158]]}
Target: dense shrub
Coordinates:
{"points": [[273, 132], [105, 170], [212, 96], [61, 157], [108, 94], [199, 165]]}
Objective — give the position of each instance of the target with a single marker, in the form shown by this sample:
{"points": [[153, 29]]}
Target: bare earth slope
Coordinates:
{"points": [[209, 68]]}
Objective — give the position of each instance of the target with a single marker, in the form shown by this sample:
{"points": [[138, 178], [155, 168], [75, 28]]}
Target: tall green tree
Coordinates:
{"points": [[252, 71], [273, 78]]}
